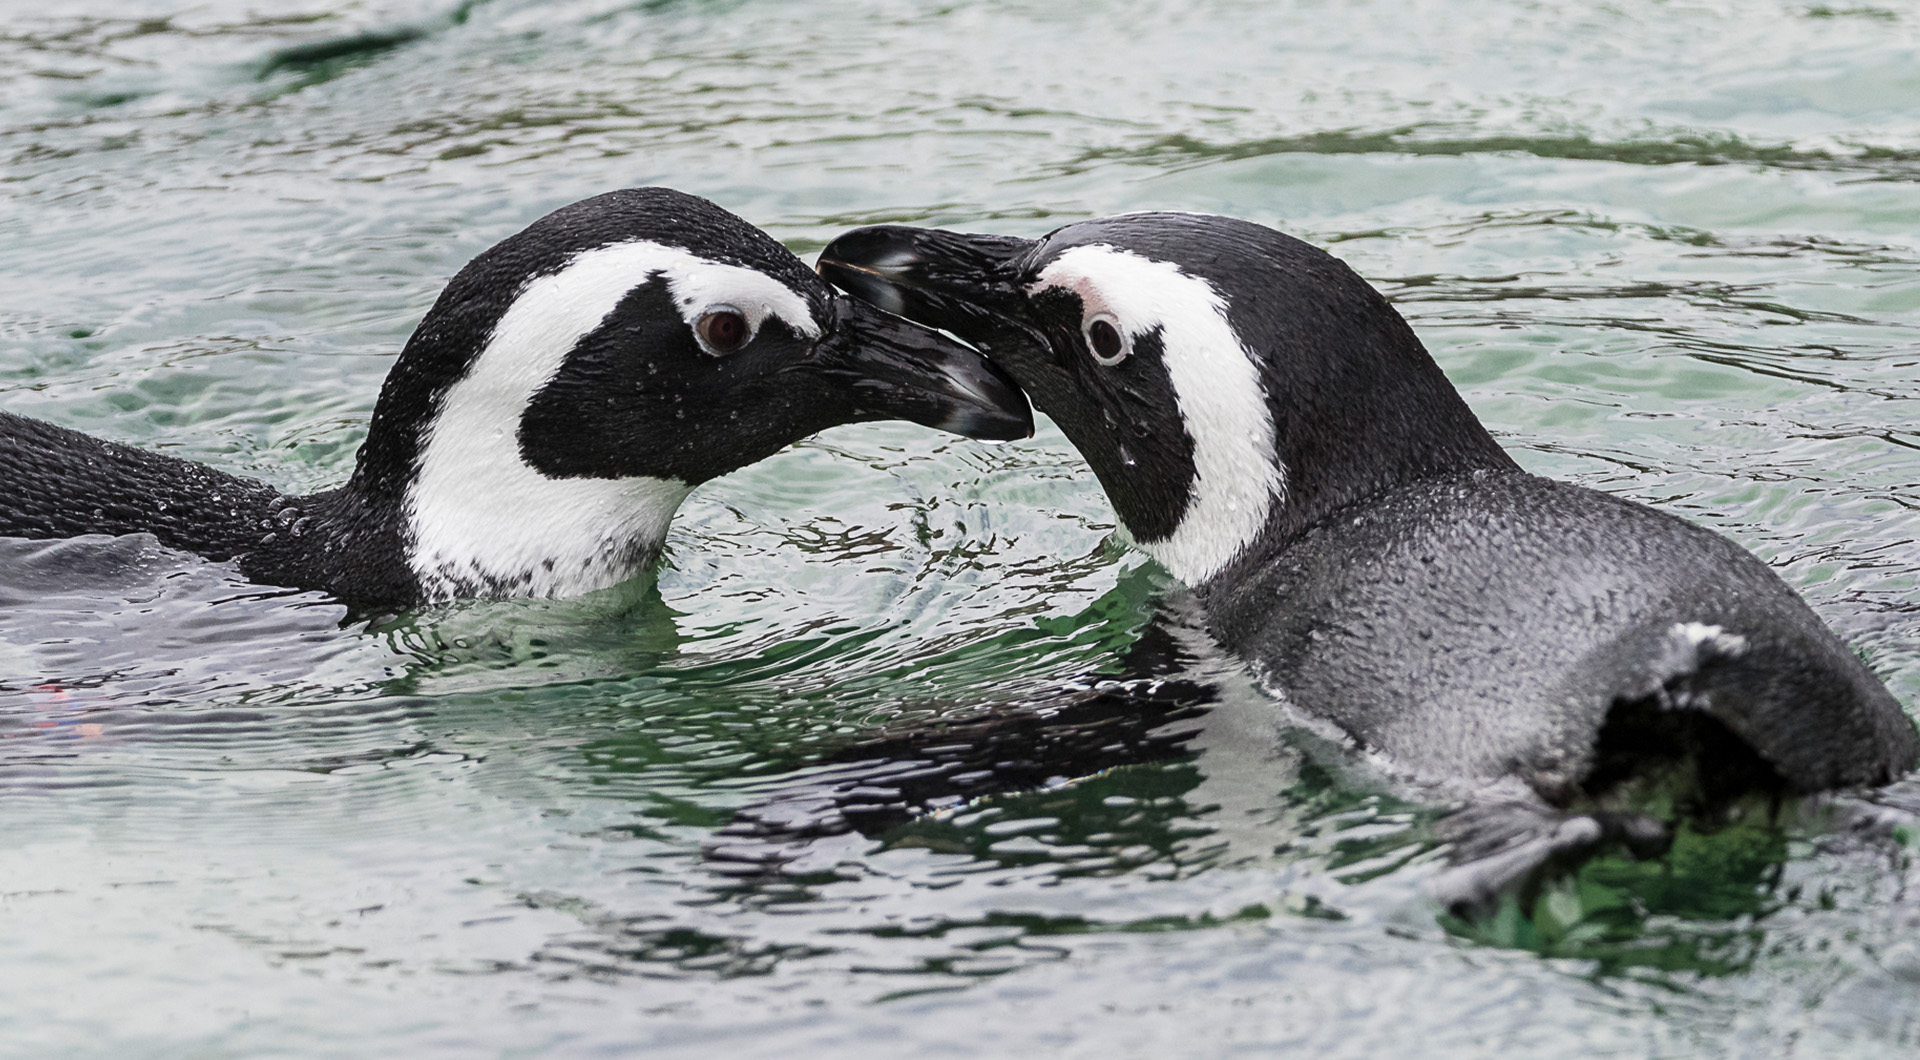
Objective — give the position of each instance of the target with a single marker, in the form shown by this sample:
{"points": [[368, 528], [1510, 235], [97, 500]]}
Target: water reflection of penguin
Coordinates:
{"points": [[1149, 711], [1272, 432]]}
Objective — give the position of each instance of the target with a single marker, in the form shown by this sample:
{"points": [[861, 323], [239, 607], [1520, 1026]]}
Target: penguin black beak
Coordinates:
{"points": [[960, 282], [891, 369]]}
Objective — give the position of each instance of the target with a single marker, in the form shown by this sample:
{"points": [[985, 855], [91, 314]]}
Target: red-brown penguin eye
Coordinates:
{"points": [[723, 330]]}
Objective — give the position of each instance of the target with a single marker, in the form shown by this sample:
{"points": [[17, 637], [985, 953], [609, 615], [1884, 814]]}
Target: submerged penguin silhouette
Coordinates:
{"points": [[537, 433], [1272, 431]]}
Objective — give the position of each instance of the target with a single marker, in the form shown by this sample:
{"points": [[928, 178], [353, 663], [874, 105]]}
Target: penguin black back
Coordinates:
{"points": [[107, 488]]}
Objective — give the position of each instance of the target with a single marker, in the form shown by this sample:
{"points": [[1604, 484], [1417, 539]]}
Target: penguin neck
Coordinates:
{"points": [[353, 541], [439, 352], [1365, 435]]}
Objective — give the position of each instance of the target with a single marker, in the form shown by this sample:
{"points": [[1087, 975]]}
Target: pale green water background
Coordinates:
{"points": [[1671, 250]]}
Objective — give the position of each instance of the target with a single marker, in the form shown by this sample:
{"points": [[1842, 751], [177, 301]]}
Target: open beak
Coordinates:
{"points": [[960, 282], [895, 370]]}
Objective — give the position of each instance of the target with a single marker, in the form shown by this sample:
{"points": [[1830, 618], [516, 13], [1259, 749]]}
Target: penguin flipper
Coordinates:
{"points": [[887, 780], [1780, 711]]}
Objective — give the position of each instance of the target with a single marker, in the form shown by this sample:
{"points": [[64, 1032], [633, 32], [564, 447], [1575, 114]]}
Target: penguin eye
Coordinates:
{"points": [[723, 330], [1103, 338]]}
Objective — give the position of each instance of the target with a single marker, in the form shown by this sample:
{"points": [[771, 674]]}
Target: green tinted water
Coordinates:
{"points": [[1669, 250]]}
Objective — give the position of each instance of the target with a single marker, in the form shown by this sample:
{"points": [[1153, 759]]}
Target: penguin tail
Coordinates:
{"points": [[1776, 706]]}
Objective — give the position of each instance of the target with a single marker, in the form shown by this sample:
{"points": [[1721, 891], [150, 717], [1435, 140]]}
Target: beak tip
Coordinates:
{"points": [[986, 403]]}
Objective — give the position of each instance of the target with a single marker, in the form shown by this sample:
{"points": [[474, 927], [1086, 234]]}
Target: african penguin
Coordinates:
{"points": [[536, 434], [1272, 431]]}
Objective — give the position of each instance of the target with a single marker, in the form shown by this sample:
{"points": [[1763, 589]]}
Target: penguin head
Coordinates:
{"points": [[1228, 384], [574, 382]]}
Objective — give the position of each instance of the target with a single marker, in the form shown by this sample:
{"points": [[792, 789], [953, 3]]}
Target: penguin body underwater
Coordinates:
{"points": [[566, 391], [1273, 432]]}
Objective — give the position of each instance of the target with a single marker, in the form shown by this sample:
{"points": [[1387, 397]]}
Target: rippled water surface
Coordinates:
{"points": [[1670, 250]]}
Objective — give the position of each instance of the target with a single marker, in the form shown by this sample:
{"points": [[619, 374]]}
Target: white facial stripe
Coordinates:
{"points": [[1216, 382], [481, 518], [697, 283]]}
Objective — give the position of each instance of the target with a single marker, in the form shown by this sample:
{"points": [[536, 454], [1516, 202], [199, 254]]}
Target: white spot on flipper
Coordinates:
{"points": [[482, 519], [1714, 638], [1689, 648], [1238, 476]]}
